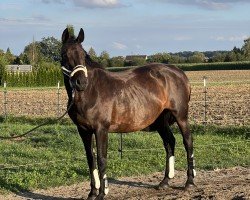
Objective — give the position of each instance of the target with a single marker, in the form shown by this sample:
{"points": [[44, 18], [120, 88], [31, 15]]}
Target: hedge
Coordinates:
{"points": [[40, 78], [49, 77], [244, 65]]}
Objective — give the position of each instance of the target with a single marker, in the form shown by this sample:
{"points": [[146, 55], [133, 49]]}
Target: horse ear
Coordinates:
{"points": [[80, 37], [65, 36]]}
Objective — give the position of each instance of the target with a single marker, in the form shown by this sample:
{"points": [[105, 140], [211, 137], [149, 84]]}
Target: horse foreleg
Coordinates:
{"points": [[87, 139], [102, 145], [169, 145], [188, 143]]}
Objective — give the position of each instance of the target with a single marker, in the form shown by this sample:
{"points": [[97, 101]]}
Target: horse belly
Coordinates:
{"points": [[134, 118]]}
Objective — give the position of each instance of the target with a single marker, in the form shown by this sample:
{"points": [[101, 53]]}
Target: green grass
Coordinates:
{"points": [[54, 155]]}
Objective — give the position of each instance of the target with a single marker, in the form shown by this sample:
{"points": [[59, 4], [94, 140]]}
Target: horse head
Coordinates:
{"points": [[73, 60]]}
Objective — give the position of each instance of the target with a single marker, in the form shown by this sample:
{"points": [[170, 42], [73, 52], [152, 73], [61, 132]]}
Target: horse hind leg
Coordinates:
{"points": [[169, 144], [188, 143]]}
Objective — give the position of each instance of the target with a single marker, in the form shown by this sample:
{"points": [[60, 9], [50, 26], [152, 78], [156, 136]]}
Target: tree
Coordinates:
{"points": [[137, 62], [197, 57], [24, 58], [231, 57], [174, 59], [71, 29], [3, 63], [1, 52], [9, 56], [117, 62], [93, 54], [159, 58], [50, 49], [218, 57], [237, 50], [18, 61], [33, 53], [246, 49], [104, 58], [104, 55]]}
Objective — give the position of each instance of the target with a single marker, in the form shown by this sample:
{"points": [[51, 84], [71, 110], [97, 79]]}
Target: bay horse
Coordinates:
{"points": [[150, 97]]}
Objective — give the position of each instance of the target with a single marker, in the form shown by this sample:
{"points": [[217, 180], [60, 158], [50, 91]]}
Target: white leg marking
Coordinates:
{"points": [[106, 185], [97, 180], [171, 167], [194, 172]]}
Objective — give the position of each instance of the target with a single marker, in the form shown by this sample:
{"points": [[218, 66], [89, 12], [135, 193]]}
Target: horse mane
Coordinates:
{"points": [[91, 63]]}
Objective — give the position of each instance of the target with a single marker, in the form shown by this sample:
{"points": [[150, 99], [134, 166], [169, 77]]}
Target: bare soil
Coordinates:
{"points": [[233, 183]]}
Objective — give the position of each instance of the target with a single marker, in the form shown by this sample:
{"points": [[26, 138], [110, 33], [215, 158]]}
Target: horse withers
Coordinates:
{"points": [[151, 97]]}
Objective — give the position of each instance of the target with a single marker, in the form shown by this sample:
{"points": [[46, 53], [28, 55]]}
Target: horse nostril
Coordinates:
{"points": [[78, 83]]}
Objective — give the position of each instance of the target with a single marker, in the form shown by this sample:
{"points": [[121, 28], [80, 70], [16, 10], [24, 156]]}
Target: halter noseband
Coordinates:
{"points": [[77, 68]]}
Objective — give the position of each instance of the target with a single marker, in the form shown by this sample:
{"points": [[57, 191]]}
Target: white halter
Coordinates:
{"points": [[77, 68]]}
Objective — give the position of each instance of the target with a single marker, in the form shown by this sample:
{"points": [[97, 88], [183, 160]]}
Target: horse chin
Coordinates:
{"points": [[80, 88]]}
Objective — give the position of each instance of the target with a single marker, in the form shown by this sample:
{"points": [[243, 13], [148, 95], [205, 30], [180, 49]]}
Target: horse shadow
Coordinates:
{"points": [[140, 184], [112, 181], [36, 196]]}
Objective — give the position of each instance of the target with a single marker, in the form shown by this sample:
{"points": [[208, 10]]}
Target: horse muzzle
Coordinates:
{"points": [[79, 83], [78, 77]]}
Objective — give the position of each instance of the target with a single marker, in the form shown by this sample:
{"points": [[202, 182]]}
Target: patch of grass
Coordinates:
{"points": [[55, 156]]}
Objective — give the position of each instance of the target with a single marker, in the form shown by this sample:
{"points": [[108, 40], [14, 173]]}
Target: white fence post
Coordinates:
{"points": [[5, 99], [58, 98]]}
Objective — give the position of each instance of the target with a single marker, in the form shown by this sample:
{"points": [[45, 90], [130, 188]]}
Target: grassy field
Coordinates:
{"points": [[54, 155]]}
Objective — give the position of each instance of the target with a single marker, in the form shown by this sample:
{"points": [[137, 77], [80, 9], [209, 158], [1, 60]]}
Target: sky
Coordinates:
{"points": [[124, 27]]}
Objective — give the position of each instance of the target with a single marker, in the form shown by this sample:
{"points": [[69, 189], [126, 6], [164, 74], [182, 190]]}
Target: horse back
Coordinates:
{"points": [[132, 100]]}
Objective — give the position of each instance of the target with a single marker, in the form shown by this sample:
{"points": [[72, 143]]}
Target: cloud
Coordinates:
{"points": [[207, 4], [97, 3], [40, 18], [232, 38], [10, 6], [119, 46], [33, 20], [88, 3], [53, 1], [10, 20]]}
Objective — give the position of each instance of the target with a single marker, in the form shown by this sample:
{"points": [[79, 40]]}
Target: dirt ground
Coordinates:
{"points": [[229, 184]]}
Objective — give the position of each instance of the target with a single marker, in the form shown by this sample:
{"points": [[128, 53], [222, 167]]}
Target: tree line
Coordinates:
{"points": [[45, 56]]}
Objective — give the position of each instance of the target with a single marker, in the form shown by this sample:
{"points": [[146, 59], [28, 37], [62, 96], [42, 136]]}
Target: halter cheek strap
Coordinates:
{"points": [[77, 68]]}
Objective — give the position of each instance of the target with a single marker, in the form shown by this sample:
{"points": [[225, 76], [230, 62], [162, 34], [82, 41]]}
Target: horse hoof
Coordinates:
{"points": [[91, 197], [189, 186], [162, 186], [99, 197]]}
